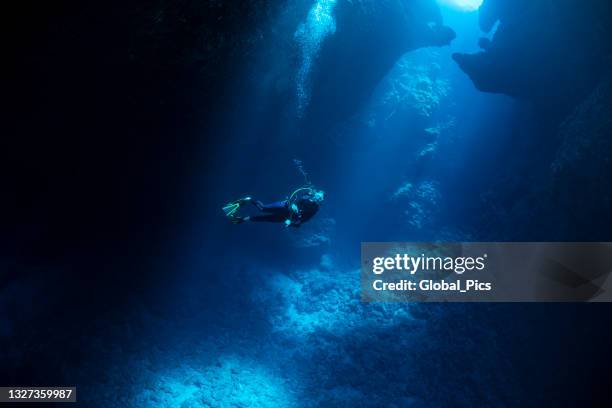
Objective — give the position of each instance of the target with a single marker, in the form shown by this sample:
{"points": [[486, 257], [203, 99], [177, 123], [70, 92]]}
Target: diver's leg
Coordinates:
{"points": [[274, 212], [253, 201], [265, 218], [274, 208], [258, 204]]}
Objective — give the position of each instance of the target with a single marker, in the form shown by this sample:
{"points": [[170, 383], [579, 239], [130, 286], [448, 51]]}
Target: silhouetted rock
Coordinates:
{"points": [[542, 51]]}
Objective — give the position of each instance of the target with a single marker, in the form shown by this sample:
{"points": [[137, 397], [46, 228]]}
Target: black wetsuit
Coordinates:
{"points": [[280, 212]]}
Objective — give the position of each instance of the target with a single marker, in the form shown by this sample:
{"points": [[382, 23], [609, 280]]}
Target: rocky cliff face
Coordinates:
{"points": [[555, 56]]}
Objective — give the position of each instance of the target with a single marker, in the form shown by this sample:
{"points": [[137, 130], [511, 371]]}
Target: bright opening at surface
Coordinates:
{"points": [[464, 5]]}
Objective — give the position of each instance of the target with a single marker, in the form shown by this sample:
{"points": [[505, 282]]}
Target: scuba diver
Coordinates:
{"points": [[301, 206]]}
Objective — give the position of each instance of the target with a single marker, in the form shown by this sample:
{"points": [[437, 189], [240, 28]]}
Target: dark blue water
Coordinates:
{"points": [[259, 315]]}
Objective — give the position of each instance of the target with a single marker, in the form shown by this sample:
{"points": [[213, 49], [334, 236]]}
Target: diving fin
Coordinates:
{"points": [[230, 209]]}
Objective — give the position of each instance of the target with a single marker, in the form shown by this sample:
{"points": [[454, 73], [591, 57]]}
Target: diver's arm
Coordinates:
{"points": [[295, 223], [295, 217]]}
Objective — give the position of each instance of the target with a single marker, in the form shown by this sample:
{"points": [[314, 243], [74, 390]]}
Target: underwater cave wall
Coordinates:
{"points": [[352, 60], [542, 51], [583, 165], [554, 58]]}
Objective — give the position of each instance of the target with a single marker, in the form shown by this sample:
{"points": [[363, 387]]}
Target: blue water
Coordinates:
{"points": [[263, 316]]}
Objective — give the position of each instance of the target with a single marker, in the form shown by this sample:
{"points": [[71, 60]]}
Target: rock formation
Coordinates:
{"points": [[370, 37], [541, 51]]}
